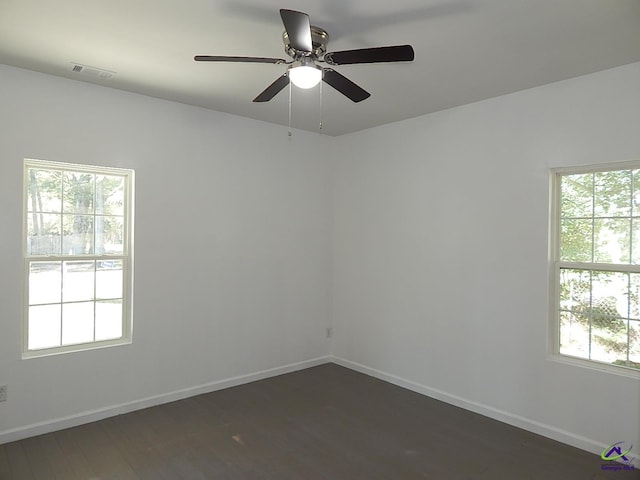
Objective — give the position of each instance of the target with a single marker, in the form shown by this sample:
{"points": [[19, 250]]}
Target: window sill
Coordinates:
{"points": [[594, 365], [82, 347]]}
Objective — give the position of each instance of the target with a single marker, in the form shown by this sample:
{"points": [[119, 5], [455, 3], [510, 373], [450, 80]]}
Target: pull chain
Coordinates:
{"points": [[321, 82], [290, 134]]}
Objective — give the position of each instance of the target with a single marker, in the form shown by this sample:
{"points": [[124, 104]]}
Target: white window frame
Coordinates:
{"points": [[555, 265], [126, 257]]}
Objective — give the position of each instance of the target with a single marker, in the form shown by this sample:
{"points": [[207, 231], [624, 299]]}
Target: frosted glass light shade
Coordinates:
{"points": [[305, 76]]}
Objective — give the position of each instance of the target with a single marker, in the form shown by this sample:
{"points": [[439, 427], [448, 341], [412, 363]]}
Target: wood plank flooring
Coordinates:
{"points": [[325, 423]]}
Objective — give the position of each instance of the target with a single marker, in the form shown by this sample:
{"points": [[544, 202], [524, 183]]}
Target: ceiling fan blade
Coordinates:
{"points": [[273, 89], [298, 29], [396, 53], [344, 85], [215, 58]]}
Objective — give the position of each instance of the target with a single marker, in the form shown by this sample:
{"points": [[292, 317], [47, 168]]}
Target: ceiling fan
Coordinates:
{"points": [[307, 45]]}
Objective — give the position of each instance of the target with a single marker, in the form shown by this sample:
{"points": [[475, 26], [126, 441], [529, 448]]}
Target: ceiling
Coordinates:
{"points": [[465, 50]]}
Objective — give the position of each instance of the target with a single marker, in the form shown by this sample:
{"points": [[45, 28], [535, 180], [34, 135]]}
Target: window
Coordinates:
{"points": [[597, 264], [77, 257]]}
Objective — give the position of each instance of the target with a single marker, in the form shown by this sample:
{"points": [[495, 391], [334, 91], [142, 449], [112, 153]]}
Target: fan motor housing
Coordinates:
{"points": [[319, 41]]}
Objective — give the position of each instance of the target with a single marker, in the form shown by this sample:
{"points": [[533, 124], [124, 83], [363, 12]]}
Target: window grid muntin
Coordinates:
{"points": [[127, 178]]}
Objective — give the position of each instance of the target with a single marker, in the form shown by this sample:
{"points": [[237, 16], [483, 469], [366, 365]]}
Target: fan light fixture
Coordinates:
{"points": [[305, 75]]}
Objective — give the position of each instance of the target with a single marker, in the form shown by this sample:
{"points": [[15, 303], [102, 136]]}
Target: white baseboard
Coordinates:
{"points": [[47, 426], [548, 431], [93, 415]]}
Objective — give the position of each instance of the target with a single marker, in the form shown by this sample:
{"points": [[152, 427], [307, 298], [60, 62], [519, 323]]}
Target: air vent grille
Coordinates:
{"points": [[91, 71]]}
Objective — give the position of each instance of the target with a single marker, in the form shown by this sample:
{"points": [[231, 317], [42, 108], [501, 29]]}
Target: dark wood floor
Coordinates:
{"points": [[326, 422]]}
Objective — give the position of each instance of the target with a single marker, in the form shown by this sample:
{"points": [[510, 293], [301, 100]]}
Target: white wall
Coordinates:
{"points": [[432, 262], [231, 248], [440, 259]]}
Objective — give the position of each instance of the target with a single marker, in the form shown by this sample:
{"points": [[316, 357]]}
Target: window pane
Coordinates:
{"points": [[78, 190], [575, 240], [575, 290], [109, 195], [78, 235], [108, 320], [634, 296], [635, 239], [109, 235], [608, 339], [109, 279], [574, 334], [577, 195], [612, 242], [44, 327], [45, 282], [634, 344], [636, 191], [78, 281], [77, 323], [609, 294], [612, 193], [44, 191], [43, 234]]}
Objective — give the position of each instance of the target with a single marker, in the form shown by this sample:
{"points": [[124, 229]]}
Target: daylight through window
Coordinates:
{"points": [[77, 256], [598, 264]]}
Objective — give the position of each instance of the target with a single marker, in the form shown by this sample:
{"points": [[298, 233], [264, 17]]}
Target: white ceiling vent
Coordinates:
{"points": [[91, 71]]}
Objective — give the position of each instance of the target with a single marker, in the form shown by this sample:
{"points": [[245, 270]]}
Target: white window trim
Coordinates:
{"points": [[554, 269], [127, 323]]}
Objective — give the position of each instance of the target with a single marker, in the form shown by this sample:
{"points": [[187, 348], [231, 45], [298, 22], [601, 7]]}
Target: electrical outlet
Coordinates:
{"points": [[329, 332], [3, 393]]}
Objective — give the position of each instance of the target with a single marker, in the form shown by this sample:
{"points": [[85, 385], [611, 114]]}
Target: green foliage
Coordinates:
{"points": [[576, 240], [626, 363], [577, 196]]}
